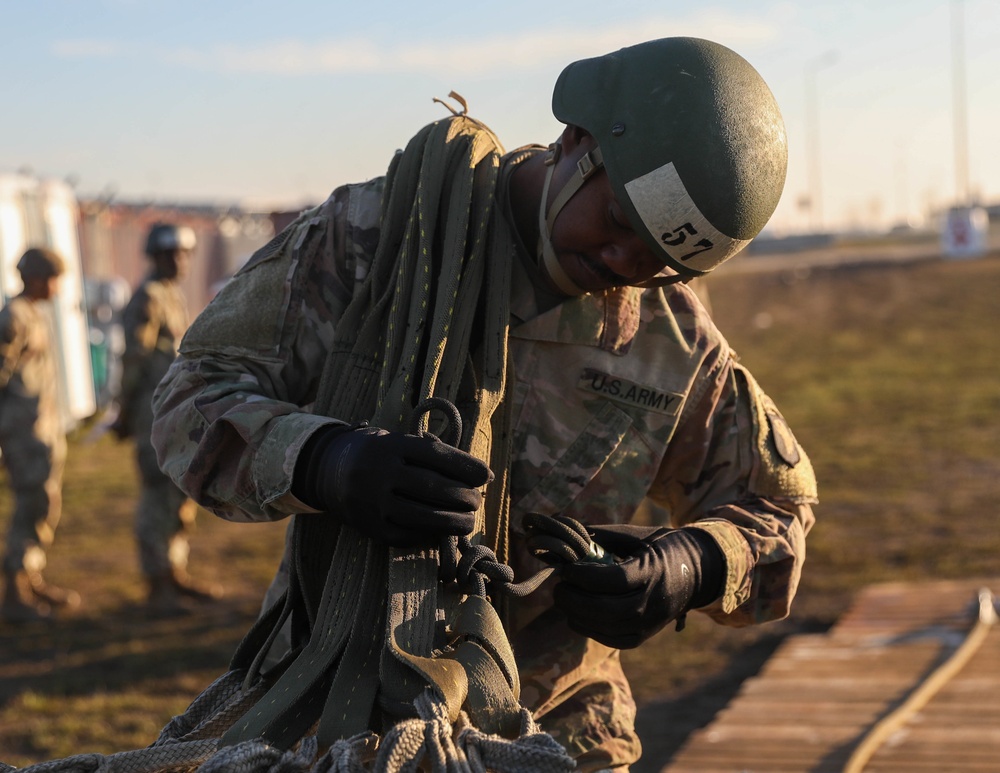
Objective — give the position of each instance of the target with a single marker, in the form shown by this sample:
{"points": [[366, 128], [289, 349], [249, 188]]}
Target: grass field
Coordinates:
{"points": [[888, 375]]}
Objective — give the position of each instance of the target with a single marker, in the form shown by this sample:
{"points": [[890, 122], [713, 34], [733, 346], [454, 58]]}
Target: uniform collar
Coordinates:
{"points": [[607, 320]]}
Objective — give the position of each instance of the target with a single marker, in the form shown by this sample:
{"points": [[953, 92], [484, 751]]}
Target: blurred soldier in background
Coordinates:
{"points": [[32, 439], [154, 322]]}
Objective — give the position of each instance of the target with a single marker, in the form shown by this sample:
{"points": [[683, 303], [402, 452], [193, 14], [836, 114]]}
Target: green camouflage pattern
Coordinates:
{"points": [[32, 437], [254, 373], [616, 397], [154, 321], [581, 696]]}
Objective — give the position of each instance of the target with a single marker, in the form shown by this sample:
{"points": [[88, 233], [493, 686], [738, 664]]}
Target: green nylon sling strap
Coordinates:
{"points": [[429, 320]]}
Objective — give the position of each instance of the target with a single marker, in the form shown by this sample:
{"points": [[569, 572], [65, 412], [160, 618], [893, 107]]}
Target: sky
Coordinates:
{"points": [[272, 105]]}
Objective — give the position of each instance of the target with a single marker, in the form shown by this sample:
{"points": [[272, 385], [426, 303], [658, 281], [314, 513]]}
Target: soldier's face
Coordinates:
{"points": [[591, 236], [41, 288], [183, 261], [175, 264]]}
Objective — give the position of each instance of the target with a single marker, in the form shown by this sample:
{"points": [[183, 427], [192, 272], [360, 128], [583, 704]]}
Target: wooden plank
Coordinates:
{"points": [[765, 760], [819, 694], [920, 733], [774, 764], [816, 711], [846, 687], [726, 733], [761, 757]]}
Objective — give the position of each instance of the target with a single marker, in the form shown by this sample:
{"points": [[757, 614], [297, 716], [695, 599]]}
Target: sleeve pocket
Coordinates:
{"points": [[245, 318]]}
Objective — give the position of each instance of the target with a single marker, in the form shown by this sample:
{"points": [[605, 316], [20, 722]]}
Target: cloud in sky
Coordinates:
{"points": [[524, 50]]}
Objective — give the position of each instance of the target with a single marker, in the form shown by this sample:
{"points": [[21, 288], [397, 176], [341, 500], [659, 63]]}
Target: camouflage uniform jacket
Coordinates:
{"points": [[617, 397], [154, 321], [28, 396]]}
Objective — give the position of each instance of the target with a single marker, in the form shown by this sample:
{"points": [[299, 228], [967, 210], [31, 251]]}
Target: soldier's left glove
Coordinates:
{"points": [[660, 574]]}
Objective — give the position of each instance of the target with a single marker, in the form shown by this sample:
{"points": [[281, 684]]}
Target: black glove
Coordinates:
{"points": [[659, 576], [405, 490]]}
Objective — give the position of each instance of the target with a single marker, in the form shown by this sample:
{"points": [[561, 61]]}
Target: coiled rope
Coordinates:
{"points": [[429, 321]]}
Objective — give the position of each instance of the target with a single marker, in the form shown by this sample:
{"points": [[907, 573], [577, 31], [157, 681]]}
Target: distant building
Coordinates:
{"points": [[113, 235]]}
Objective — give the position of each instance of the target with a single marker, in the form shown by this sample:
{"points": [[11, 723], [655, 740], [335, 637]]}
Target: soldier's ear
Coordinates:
{"points": [[573, 136]]}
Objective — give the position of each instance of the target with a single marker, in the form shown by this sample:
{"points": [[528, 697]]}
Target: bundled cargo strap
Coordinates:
{"points": [[399, 660], [429, 321]]}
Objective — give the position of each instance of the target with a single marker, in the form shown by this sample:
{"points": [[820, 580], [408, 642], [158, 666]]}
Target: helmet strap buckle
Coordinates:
{"points": [[592, 161]]}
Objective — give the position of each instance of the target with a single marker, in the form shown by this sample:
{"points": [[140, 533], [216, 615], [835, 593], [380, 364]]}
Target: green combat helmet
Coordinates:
{"points": [[166, 237], [40, 263], [693, 144]]}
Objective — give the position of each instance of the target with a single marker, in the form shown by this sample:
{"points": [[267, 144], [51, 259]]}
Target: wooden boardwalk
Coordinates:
{"points": [[820, 693]]}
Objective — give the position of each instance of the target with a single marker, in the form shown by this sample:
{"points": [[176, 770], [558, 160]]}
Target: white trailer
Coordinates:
{"points": [[44, 213]]}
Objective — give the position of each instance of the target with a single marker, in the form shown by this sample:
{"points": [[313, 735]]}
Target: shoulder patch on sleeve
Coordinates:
{"points": [[268, 251], [782, 468], [247, 314], [784, 441]]}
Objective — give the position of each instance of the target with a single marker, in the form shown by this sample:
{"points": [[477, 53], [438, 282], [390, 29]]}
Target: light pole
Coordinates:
{"points": [[815, 196], [966, 226], [959, 108]]}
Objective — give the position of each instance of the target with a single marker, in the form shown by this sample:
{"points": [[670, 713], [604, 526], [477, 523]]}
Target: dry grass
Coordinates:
{"points": [[108, 677], [887, 374]]}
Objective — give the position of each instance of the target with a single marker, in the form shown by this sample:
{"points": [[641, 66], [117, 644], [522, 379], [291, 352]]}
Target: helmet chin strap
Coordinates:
{"points": [[664, 281], [549, 264]]}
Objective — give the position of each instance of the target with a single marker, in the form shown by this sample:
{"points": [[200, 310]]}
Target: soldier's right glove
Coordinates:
{"points": [[405, 490], [659, 575]]}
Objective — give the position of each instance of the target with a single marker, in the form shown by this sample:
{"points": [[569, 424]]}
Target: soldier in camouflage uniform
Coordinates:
{"points": [[622, 388], [154, 322], [32, 439]]}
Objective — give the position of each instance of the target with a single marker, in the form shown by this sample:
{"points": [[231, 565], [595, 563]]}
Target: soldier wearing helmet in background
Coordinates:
{"points": [[620, 387], [154, 322], [32, 439]]}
